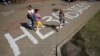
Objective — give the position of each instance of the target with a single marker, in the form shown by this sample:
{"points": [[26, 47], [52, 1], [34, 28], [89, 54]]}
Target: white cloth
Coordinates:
{"points": [[31, 12]]}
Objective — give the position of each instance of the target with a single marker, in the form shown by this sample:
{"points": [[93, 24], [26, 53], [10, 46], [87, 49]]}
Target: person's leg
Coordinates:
{"points": [[60, 24], [32, 20], [5, 2], [32, 23], [40, 24], [63, 21], [8, 1], [37, 26]]}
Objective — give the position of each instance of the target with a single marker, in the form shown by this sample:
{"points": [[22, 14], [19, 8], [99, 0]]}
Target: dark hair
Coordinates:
{"points": [[61, 11], [36, 10], [30, 6]]}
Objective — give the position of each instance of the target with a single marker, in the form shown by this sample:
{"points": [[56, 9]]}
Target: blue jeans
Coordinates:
{"points": [[31, 17]]}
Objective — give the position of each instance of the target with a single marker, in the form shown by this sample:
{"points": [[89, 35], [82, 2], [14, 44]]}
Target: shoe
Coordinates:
{"points": [[9, 2], [43, 26], [61, 24], [57, 27], [37, 31], [60, 27]]}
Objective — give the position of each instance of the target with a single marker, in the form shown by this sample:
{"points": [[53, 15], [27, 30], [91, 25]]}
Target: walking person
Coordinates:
{"points": [[30, 16], [38, 20], [61, 18]]}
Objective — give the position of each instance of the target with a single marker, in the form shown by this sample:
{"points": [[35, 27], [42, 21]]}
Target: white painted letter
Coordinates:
{"points": [[56, 15], [49, 18], [44, 36], [71, 15], [12, 41]]}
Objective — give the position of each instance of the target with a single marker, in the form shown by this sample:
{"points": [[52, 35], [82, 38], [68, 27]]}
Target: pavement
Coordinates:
{"points": [[18, 40]]}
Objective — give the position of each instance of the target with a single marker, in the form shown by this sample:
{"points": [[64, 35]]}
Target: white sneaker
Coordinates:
{"points": [[9, 2], [61, 24], [43, 26], [37, 30], [57, 27], [60, 27]]}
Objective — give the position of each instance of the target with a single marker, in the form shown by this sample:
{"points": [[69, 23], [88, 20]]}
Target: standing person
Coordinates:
{"points": [[61, 18], [38, 20], [30, 16]]}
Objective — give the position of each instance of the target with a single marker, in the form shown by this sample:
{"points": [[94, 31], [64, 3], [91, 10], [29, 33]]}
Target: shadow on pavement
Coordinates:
{"points": [[47, 25], [52, 26], [26, 25]]}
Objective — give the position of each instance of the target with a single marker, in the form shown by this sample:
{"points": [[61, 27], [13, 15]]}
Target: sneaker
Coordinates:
{"points": [[57, 27], [61, 24], [43, 26], [60, 27], [37, 31], [9, 2]]}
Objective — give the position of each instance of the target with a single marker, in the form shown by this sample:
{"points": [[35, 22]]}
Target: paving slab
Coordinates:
{"points": [[18, 40]]}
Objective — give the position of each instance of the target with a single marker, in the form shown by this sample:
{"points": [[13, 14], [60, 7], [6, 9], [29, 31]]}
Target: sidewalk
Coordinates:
{"points": [[11, 13], [47, 38]]}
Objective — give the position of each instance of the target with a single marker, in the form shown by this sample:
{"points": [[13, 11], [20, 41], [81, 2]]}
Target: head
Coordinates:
{"points": [[29, 7], [36, 10], [61, 11]]}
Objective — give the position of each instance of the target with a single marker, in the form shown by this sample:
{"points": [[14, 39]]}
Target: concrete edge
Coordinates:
{"points": [[71, 35]]}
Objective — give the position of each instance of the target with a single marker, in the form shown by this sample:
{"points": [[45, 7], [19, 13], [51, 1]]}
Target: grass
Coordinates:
{"points": [[88, 38], [91, 34]]}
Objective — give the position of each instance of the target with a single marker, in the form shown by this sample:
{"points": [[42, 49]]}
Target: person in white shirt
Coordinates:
{"points": [[30, 15], [30, 10]]}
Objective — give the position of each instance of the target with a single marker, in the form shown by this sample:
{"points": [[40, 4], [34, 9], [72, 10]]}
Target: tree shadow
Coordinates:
{"points": [[52, 26]]}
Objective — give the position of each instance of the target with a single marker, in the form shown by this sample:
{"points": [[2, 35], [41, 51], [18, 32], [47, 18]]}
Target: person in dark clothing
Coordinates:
{"points": [[61, 18], [30, 15]]}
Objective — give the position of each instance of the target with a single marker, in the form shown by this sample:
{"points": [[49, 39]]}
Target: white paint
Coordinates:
{"points": [[12, 41], [56, 15], [75, 9], [29, 35], [13, 45], [49, 18], [84, 9], [79, 7], [44, 36], [70, 16]]}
